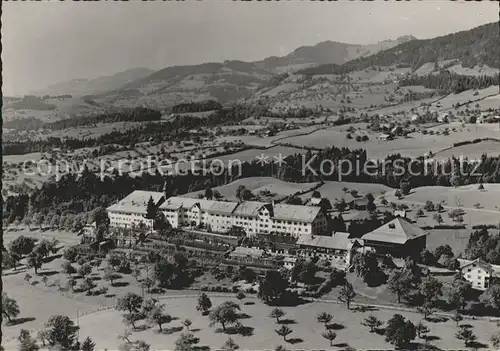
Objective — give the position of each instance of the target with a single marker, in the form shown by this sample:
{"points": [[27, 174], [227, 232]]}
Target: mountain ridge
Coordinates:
{"points": [[102, 84], [480, 45]]}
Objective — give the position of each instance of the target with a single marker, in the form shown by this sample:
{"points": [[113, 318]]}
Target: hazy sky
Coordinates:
{"points": [[49, 42]]}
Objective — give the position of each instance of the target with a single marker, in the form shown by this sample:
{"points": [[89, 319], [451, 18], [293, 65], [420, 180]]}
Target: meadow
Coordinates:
{"points": [[256, 185]]}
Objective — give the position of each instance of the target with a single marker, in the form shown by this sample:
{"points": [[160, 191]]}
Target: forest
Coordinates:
{"points": [[148, 131], [473, 47], [447, 82], [198, 106], [136, 114], [74, 193]]}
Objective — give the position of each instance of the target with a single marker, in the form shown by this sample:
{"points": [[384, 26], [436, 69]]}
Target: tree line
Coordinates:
{"points": [[197, 106], [74, 194], [447, 82], [148, 131]]}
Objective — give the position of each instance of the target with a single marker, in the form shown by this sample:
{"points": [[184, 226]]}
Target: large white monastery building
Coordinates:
{"points": [[220, 216]]}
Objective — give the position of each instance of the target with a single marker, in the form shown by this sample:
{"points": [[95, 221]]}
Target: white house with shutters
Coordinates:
{"points": [[479, 273]]}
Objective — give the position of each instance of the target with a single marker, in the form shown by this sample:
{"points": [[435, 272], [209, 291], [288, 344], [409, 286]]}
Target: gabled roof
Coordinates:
{"points": [[339, 241], [397, 231], [295, 213], [492, 269], [136, 202], [315, 200]]}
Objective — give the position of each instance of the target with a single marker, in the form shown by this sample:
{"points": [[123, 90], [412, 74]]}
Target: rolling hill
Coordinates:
{"points": [[284, 79], [231, 80], [225, 81], [80, 87], [327, 52]]}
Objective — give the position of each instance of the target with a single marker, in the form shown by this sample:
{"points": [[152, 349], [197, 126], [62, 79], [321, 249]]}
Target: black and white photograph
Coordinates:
{"points": [[250, 175]]}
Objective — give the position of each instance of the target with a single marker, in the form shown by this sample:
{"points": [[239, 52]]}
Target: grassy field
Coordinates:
{"points": [[279, 188], [38, 302], [456, 238], [466, 197], [255, 140], [261, 335], [333, 190], [416, 144], [463, 196], [472, 151]]}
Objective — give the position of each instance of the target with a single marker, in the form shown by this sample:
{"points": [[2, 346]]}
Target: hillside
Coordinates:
{"points": [[226, 81], [50, 109], [475, 47], [80, 87], [328, 52]]}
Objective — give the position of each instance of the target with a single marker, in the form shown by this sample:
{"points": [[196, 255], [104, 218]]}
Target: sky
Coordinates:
{"points": [[50, 42]]}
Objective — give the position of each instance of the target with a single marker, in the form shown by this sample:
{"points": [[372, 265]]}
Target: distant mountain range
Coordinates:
{"points": [[222, 81], [328, 52], [475, 47], [233, 80], [80, 87]]}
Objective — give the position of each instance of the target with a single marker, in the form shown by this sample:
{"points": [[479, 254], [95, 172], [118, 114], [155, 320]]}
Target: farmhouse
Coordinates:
{"points": [[130, 212], [398, 238], [338, 249], [479, 273], [385, 137]]}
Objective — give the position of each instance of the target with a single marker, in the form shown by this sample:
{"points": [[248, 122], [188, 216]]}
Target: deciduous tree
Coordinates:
{"points": [[130, 302], [224, 314], [399, 283], [277, 313], [204, 303], [324, 318], [400, 332], [347, 294], [329, 335], [372, 322], [10, 308], [466, 334], [284, 331]]}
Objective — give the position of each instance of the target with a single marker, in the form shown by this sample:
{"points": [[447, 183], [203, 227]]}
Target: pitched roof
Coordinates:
{"points": [[490, 268], [339, 241], [295, 213], [397, 231], [248, 208], [221, 207], [136, 201], [315, 200], [176, 202]]}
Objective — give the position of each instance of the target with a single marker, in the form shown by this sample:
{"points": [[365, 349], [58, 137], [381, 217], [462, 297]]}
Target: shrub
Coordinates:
{"points": [[250, 291]]}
